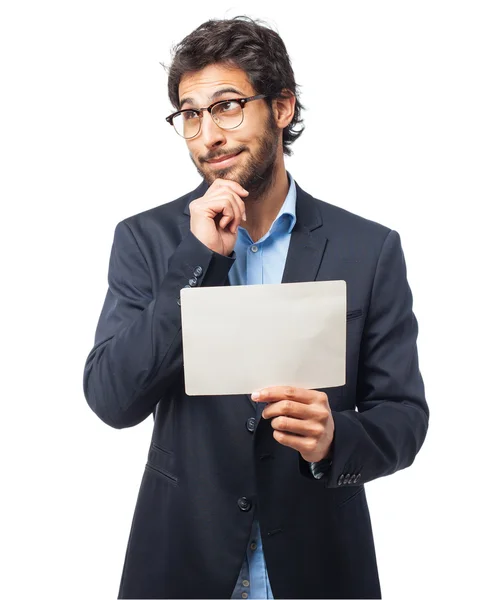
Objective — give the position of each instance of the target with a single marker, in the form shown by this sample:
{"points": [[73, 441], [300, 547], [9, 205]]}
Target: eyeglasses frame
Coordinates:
{"points": [[199, 111]]}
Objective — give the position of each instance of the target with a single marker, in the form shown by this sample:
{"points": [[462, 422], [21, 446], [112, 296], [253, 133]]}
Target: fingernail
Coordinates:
{"points": [[255, 395], [244, 216]]}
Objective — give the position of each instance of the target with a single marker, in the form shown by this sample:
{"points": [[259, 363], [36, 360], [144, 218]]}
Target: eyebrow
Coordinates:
{"points": [[217, 94]]}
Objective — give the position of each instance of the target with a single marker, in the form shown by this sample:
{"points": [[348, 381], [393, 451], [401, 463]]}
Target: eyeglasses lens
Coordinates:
{"points": [[226, 115]]}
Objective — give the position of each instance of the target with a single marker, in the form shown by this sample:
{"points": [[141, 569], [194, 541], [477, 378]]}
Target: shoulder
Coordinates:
{"points": [[344, 226]]}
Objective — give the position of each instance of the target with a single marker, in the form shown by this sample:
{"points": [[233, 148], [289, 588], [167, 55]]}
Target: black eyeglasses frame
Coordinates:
{"points": [[199, 111]]}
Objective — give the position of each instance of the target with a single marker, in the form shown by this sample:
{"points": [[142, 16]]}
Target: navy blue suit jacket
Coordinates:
{"points": [[207, 471]]}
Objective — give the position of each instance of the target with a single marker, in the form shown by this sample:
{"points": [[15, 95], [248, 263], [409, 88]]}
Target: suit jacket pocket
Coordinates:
{"points": [[354, 314], [353, 493], [354, 322], [162, 462]]}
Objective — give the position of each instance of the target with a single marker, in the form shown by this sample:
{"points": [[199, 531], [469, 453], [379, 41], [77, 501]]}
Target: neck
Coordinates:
{"points": [[263, 205]]}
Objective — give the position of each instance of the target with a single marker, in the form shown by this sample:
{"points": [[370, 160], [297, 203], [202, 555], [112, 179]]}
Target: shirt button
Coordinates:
{"points": [[244, 504], [253, 546], [254, 248], [250, 424], [198, 271], [245, 582], [244, 595]]}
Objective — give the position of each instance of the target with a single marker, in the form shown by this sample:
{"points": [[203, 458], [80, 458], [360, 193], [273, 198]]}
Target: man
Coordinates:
{"points": [[261, 496]]}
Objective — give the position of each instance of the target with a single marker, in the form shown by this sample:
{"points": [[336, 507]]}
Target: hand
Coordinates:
{"points": [[216, 216], [302, 419]]}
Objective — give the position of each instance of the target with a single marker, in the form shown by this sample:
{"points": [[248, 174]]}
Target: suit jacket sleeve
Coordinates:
{"points": [[390, 424], [138, 343]]}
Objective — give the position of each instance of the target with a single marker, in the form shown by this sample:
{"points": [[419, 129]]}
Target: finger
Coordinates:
{"points": [[223, 223], [238, 207], [290, 408], [302, 427], [220, 191], [235, 220], [240, 213], [229, 183], [222, 208], [297, 442], [285, 392]]}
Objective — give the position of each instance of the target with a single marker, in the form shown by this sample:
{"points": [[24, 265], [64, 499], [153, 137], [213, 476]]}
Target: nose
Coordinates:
{"points": [[212, 135]]}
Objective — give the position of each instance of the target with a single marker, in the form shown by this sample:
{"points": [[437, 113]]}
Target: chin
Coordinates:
{"points": [[228, 173]]}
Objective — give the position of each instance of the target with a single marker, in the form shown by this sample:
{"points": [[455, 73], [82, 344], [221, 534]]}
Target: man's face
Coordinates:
{"points": [[255, 144]]}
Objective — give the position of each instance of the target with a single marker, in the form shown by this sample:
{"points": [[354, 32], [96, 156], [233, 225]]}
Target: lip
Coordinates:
{"points": [[223, 161]]}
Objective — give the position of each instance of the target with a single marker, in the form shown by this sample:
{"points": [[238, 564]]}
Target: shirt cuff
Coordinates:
{"points": [[318, 472]]}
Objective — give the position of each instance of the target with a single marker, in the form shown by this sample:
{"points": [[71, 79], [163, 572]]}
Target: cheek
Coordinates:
{"points": [[247, 134], [194, 152]]}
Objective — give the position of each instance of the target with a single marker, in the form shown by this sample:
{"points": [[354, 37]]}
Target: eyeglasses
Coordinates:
{"points": [[227, 114]]}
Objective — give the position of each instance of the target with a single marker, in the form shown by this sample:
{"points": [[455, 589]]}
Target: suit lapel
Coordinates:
{"points": [[308, 241]]}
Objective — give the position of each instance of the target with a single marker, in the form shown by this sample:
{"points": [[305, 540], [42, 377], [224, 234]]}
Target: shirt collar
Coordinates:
{"points": [[285, 219], [287, 213]]}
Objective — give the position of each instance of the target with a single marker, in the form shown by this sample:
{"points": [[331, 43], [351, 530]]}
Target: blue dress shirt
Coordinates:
{"points": [[259, 263]]}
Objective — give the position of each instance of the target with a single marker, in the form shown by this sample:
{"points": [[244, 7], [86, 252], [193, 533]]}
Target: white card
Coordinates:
{"points": [[237, 339]]}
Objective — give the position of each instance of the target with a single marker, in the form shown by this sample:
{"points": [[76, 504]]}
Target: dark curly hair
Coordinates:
{"points": [[246, 44]]}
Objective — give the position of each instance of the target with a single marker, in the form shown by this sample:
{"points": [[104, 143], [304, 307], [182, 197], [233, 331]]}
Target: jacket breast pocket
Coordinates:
{"points": [[354, 322], [162, 463], [352, 315]]}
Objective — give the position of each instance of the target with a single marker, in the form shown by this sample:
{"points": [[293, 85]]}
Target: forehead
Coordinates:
{"points": [[201, 85]]}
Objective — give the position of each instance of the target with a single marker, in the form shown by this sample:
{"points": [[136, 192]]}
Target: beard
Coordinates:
{"points": [[258, 173]]}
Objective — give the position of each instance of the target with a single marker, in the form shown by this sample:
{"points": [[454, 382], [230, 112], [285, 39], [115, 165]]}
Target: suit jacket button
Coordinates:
{"points": [[178, 301], [193, 281], [244, 504], [347, 478], [250, 424], [358, 477], [198, 271], [341, 479]]}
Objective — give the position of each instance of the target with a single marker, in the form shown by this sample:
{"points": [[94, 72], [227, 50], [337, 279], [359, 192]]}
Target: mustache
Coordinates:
{"points": [[214, 156]]}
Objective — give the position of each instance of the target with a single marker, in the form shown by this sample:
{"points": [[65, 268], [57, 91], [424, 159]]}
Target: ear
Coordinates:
{"points": [[283, 108]]}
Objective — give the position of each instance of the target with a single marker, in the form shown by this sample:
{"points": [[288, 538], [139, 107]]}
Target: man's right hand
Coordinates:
{"points": [[216, 216]]}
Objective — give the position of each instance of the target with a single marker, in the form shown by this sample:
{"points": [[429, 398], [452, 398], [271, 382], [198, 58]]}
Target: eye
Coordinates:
{"points": [[227, 106], [189, 114]]}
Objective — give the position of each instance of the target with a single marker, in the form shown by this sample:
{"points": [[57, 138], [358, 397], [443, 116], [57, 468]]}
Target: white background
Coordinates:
{"points": [[392, 134]]}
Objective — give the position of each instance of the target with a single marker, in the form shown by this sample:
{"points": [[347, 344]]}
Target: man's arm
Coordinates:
{"points": [[390, 426], [138, 344]]}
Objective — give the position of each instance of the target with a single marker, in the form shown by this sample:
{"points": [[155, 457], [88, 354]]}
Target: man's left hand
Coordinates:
{"points": [[301, 419]]}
